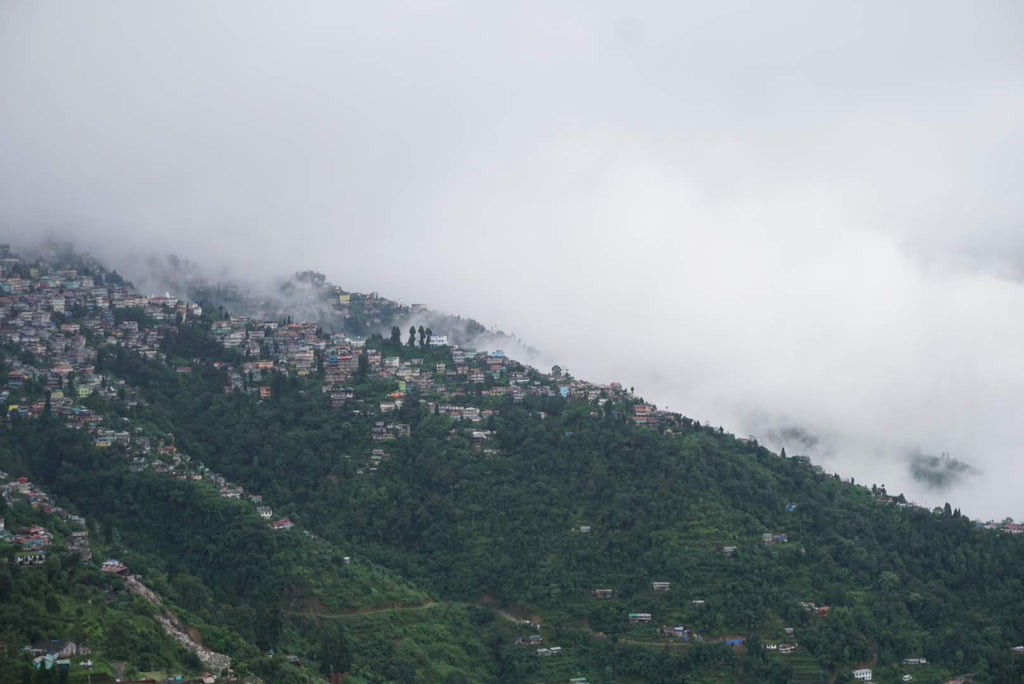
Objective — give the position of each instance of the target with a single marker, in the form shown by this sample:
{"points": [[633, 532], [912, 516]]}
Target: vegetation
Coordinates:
{"points": [[428, 548]]}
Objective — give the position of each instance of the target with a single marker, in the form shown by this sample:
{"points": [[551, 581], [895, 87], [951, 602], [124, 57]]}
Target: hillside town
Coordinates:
{"points": [[62, 325], [64, 322]]}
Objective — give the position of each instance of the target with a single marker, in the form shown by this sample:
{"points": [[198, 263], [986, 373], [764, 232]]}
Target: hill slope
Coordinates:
{"points": [[428, 499]]}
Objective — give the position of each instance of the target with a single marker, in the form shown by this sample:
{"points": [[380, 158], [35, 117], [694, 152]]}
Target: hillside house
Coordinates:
{"points": [[78, 542], [642, 414], [114, 567], [479, 436], [231, 492], [679, 632], [282, 524], [820, 611], [769, 539], [661, 586], [862, 675], [637, 618], [50, 662], [603, 593]]}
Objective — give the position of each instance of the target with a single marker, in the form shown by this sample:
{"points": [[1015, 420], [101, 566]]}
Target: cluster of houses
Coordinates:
{"points": [[386, 431], [536, 640], [297, 348], [61, 316], [56, 654], [32, 541], [377, 456], [168, 460], [767, 539], [64, 317], [1007, 526], [371, 309], [37, 301]]}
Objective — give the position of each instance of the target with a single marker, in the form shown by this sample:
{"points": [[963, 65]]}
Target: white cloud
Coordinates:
{"points": [[796, 213]]}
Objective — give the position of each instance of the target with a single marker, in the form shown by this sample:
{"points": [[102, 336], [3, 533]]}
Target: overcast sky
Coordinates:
{"points": [[763, 215]]}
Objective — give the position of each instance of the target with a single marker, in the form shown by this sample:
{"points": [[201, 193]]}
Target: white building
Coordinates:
{"points": [[863, 674]]}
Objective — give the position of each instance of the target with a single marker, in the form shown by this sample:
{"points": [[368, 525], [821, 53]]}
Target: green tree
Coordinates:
{"points": [[363, 368], [333, 649]]}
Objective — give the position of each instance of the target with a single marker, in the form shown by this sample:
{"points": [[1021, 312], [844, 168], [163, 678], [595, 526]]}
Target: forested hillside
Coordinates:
{"points": [[401, 509]]}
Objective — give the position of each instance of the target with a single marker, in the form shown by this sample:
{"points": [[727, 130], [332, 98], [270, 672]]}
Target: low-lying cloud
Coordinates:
{"points": [[939, 472], [761, 217]]}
